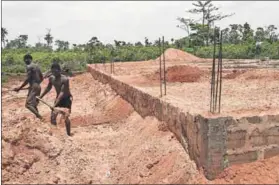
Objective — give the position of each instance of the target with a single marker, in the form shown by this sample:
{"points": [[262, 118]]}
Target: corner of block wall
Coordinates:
{"points": [[215, 160]]}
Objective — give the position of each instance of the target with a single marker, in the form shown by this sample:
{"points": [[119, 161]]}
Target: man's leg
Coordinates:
{"points": [[67, 103], [31, 104], [68, 126], [53, 118]]}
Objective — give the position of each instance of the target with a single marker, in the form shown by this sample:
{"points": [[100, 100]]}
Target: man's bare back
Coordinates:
{"points": [[34, 74]]}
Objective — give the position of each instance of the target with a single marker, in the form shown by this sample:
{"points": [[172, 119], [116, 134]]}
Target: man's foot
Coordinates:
{"points": [[41, 118], [54, 123]]}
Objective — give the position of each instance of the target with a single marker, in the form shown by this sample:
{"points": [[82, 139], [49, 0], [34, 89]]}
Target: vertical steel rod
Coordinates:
{"points": [[217, 83], [213, 76], [103, 65], [113, 66], [110, 66], [221, 66], [164, 62], [160, 69]]}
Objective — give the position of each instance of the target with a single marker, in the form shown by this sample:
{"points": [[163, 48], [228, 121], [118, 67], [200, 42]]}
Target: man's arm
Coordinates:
{"points": [[47, 89], [29, 72], [41, 75], [65, 85], [47, 74]]}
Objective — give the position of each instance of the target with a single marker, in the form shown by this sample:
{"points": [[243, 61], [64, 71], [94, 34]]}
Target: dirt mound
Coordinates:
{"points": [[178, 55], [181, 73], [258, 172], [258, 74], [110, 112], [254, 74], [234, 74]]}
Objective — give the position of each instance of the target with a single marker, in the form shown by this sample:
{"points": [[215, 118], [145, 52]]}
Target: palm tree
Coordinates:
{"points": [[4, 33], [48, 38]]}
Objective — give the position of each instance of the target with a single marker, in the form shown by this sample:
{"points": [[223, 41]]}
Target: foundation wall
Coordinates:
{"points": [[214, 143], [252, 138]]}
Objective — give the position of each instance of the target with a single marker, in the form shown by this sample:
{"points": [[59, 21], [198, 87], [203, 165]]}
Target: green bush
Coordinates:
{"points": [[76, 60], [242, 51]]}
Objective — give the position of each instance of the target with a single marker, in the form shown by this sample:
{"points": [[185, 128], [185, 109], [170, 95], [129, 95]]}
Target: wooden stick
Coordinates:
{"points": [[53, 108]]}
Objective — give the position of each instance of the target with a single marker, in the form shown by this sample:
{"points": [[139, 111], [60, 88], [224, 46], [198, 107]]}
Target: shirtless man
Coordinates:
{"points": [[34, 78], [65, 72], [63, 94]]}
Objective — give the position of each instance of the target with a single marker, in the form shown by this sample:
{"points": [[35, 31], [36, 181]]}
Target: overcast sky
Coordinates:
{"points": [[77, 22]]}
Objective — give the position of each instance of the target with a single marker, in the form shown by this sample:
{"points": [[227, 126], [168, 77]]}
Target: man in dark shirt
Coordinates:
{"points": [[63, 94], [34, 79]]}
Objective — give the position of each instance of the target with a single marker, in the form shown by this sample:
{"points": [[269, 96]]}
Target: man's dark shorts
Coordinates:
{"points": [[34, 90], [65, 102]]}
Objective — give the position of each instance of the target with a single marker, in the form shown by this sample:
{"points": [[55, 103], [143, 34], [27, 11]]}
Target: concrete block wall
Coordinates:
{"points": [[213, 143], [252, 138], [190, 130]]}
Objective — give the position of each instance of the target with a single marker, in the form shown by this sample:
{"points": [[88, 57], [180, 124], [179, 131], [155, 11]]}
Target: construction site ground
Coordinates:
{"points": [[111, 143], [245, 92]]}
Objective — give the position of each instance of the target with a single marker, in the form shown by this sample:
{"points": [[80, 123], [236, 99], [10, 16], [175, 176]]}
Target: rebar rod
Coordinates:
{"points": [[164, 62], [113, 67], [217, 80], [213, 75], [160, 68], [221, 70]]}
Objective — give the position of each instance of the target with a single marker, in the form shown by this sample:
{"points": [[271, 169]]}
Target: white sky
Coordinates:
{"points": [[77, 22]]}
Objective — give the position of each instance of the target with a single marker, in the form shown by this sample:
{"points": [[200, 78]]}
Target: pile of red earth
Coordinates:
{"points": [[234, 74], [255, 74], [180, 73], [258, 74], [178, 55]]}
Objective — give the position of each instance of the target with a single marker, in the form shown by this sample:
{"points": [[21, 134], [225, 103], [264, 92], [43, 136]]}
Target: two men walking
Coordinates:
{"points": [[56, 79]]}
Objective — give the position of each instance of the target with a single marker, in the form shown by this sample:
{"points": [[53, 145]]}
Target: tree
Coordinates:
{"points": [[209, 16], [260, 34], [270, 33], [146, 42], [123, 43], [62, 45], [22, 41], [48, 37], [234, 34], [247, 34], [117, 43], [13, 44], [129, 44], [226, 35], [182, 42], [156, 43], [92, 46], [19, 42], [196, 37], [138, 43], [94, 42], [172, 40], [4, 34], [66, 45], [39, 45], [185, 24]]}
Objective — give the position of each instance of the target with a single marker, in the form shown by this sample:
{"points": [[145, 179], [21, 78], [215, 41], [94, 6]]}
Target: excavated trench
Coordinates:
{"points": [[111, 143]]}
